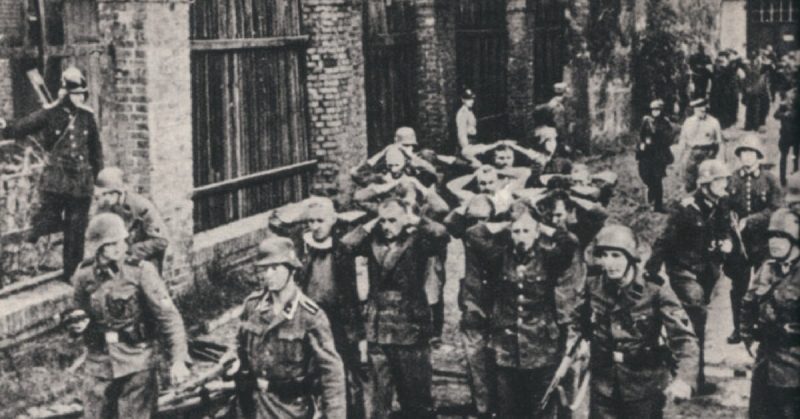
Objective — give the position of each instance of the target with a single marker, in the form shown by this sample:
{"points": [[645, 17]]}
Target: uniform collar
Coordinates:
{"points": [[633, 291], [753, 173], [785, 268], [289, 309]]}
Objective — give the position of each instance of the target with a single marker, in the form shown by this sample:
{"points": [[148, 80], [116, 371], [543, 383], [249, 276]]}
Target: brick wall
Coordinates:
{"points": [[335, 87], [12, 21], [147, 127], [436, 74]]}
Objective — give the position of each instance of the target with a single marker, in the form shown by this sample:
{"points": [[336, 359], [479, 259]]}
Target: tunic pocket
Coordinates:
{"points": [[291, 345]]}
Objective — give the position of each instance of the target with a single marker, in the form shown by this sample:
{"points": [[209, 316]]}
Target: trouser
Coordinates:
{"points": [[697, 155], [131, 396], [519, 392], [63, 213], [771, 402], [479, 369], [434, 290], [601, 407], [784, 149], [694, 294], [654, 183], [407, 369], [739, 274]]}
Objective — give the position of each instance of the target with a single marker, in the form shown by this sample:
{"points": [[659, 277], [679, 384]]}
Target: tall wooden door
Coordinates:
{"points": [[772, 22], [390, 49], [549, 40], [482, 61]]}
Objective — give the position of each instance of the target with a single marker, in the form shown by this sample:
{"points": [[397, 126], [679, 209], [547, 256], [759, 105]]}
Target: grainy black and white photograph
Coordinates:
{"points": [[399, 209]]}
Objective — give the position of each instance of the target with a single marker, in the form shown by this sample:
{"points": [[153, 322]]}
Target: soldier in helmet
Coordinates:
{"points": [[696, 240], [625, 309], [398, 245], [536, 276], [754, 195], [771, 317], [126, 303], [147, 233], [75, 157], [654, 154], [701, 136], [286, 353]]}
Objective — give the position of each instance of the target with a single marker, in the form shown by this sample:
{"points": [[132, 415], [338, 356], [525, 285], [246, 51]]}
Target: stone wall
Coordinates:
{"points": [[521, 100]]}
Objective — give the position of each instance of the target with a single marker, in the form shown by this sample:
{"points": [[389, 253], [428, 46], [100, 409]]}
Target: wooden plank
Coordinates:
{"points": [[262, 176], [249, 43]]}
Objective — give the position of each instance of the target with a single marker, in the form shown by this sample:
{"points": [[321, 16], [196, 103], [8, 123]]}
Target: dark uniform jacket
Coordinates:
{"points": [[70, 136], [755, 196], [535, 297], [688, 245], [657, 154], [288, 357], [771, 315], [624, 326], [397, 309], [147, 233], [125, 304]]}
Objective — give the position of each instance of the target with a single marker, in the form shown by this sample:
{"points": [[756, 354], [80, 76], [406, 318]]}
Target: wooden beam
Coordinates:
{"points": [[248, 43], [262, 176]]}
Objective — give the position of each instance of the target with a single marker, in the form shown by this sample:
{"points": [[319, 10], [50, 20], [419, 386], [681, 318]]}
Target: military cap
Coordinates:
{"points": [[618, 237], [73, 80], [657, 104], [467, 94], [560, 87], [110, 178], [784, 222], [277, 250], [405, 136], [104, 228], [698, 103], [711, 170], [750, 142]]}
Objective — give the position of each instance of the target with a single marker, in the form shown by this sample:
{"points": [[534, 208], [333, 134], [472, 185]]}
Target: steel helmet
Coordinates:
{"points": [[618, 237], [104, 228], [110, 179], [711, 170], [750, 142], [785, 223], [73, 80], [405, 136], [277, 250], [793, 188]]}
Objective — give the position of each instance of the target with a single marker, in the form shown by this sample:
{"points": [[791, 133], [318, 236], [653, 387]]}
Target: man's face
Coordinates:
{"points": [[487, 182], [655, 112], [503, 158], [614, 263], [719, 187], [114, 252], [392, 219], [106, 198], [523, 233], [273, 277], [560, 215], [321, 225], [468, 103], [749, 158], [77, 98]]}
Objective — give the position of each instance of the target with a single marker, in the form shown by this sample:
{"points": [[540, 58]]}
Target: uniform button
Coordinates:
{"points": [[520, 285], [519, 322], [80, 158], [519, 308], [71, 137], [58, 131], [484, 282], [521, 299]]}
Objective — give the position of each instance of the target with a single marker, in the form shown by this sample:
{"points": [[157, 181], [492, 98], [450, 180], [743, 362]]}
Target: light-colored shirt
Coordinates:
{"points": [[466, 125], [701, 132]]}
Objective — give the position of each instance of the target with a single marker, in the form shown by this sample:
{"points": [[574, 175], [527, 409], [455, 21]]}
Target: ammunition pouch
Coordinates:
{"points": [[288, 390], [645, 358]]}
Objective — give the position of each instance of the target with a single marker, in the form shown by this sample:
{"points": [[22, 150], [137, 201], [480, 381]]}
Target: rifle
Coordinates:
{"points": [[563, 367], [735, 227]]}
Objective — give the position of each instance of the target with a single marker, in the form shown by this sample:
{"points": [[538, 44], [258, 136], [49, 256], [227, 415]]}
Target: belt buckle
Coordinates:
{"points": [[619, 357]]}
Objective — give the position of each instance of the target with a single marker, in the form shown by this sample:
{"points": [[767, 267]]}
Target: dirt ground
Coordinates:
{"points": [[39, 375]]}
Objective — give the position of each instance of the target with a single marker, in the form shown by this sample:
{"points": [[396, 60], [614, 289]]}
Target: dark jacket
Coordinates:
{"points": [[75, 154], [397, 309], [624, 326], [771, 316], [656, 153]]}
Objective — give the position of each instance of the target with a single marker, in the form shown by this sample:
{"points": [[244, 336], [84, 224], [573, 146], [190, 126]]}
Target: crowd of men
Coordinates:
{"points": [[546, 277]]}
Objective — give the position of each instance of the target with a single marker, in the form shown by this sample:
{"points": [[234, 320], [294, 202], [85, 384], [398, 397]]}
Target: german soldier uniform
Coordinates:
{"points": [[654, 155], [691, 250], [534, 298], [126, 303], [287, 356], [328, 277], [771, 316], [398, 321], [630, 366], [754, 195], [75, 157]]}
